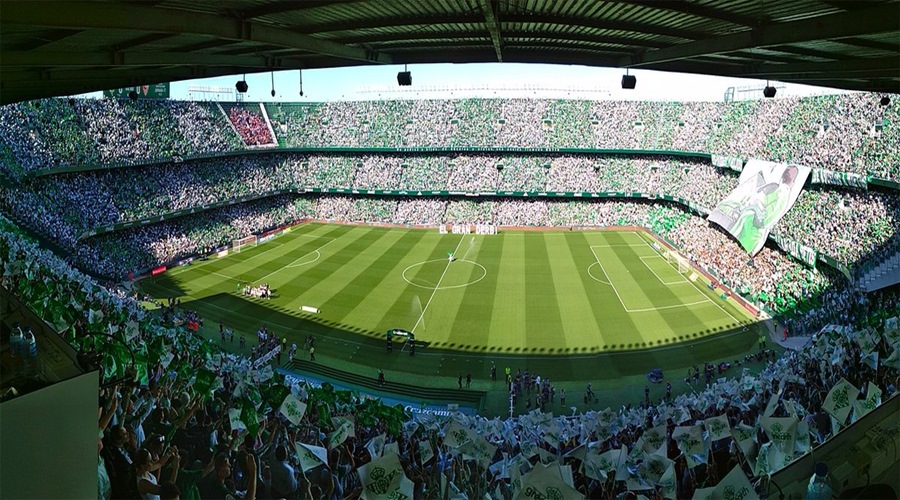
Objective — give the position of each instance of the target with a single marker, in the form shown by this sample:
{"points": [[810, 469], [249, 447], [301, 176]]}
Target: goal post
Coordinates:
{"points": [[678, 262], [239, 243]]}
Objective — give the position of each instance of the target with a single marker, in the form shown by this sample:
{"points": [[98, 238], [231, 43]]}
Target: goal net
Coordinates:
{"points": [[238, 244], [678, 262]]}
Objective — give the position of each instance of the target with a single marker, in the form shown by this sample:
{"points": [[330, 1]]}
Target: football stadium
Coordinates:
{"points": [[440, 291]]}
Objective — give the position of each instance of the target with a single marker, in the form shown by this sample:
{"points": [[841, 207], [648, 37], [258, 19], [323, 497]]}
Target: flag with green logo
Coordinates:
{"points": [[456, 435], [141, 374], [840, 399], [892, 330], [653, 468], [655, 440], [425, 451], [343, 429], [546, 482], [383, 478], [598, 466], [690, 442], [717, 427], [275, 394], [375, 446], [735, 486], [864, 406], [234, 420], [310, 456], [782, 432], [893, 361], [293, 409]]}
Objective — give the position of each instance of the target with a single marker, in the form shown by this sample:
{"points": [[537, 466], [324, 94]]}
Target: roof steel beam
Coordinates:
{"points": [[549, 19], [388, 38], [869, 44], [490, 20], [692, 9], [115, 16], [395, 22], [24, 59], [854, 68], [142, 40], [288, 6], [602, 24], [51, 37], [880, 19]]}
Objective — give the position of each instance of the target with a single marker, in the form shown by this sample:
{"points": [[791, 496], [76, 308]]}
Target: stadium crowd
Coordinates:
{"points": [[848, 224], [849, 132], [183, 418], [251, 126], [187, 418], [60, 133]]}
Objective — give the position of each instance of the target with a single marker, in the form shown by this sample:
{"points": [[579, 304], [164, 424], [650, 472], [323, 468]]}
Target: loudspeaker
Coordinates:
{"points": [[404, 78], [628, 81], [241, 86], [885, 100], [769, 92]]}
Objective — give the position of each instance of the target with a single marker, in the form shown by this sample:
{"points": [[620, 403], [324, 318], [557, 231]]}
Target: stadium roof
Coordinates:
{"points": [[59, 48]]}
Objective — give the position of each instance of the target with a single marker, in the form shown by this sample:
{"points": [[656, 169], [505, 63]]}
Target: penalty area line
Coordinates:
{"points": [[295, 260], [736, 321]]}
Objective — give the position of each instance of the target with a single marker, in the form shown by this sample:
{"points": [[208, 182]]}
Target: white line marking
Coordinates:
{"points": [[318, 256], [436, 288], [680, 281], [737, 321], [295, 260], [609, 279], [647, 309], [594, 277], [432, 286], [272, 246], [660, 308], [217, 273]]}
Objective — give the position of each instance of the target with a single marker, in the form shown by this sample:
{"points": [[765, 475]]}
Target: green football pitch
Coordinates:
{"points": [[544, 293]]}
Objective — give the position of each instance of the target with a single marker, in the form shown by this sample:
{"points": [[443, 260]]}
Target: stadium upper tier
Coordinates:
{"points": [[847, 133]]}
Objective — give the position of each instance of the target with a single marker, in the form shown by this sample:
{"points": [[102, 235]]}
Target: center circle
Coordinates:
{"points": [[432, 271]]}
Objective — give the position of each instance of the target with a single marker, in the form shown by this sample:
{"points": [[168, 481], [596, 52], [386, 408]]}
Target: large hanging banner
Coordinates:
{"points": [[765, 192]]}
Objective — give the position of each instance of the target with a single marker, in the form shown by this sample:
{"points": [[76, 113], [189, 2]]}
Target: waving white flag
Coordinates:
{"points": [[293, 409], [384, 479], [840, 399], [735, 485], [311, 456]]}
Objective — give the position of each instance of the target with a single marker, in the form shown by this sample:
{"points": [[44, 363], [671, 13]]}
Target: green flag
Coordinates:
{"points": [[110, 367], [140, 366], [203, 382], [123, 358], [249, 418], [275, 395], [324, 415]]}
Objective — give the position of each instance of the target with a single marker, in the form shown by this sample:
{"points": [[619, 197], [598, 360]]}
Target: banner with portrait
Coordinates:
{"points": [[765, 192]]}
